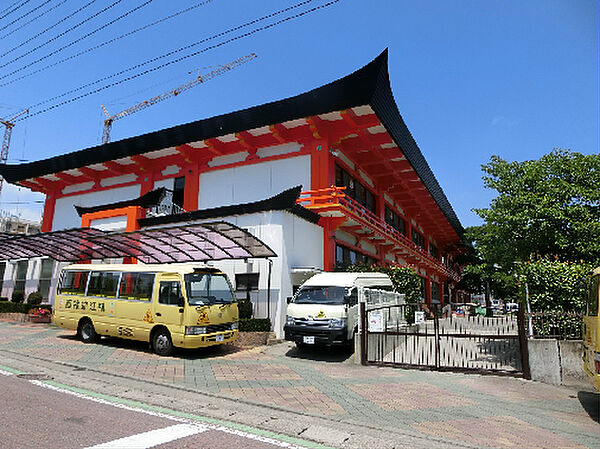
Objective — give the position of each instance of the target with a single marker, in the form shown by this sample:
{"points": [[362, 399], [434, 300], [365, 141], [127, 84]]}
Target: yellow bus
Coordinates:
{"points": [[169, 305], [591, 332]]}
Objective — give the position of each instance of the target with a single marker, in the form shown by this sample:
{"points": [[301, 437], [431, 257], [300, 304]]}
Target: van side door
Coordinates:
{"points": [[167, 306]]}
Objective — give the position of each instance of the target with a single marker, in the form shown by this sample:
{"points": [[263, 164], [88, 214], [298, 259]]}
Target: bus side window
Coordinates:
{"points": [[169, 293], [592, 303]]}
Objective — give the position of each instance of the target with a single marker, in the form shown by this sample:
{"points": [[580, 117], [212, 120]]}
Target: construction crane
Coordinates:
{"points": [[8, 126], [172, 93]]}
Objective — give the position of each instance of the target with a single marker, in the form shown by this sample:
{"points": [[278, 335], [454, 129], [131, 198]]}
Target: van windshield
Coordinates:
{"points": [[206, 288], [323, 295]]}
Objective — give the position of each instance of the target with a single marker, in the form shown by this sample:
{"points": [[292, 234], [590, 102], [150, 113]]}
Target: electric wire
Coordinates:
{"points": [[8, 7], [14, 9], [95, 47], [31, 11], [85, 36], [33, 19], [171, 53], [67, 17], [153, 69]]}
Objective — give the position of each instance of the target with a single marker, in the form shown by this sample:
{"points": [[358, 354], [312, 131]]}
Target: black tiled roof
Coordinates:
{"points": [[369, 85]]}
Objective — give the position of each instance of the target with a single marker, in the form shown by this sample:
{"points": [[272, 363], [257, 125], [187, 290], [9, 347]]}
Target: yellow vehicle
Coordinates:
{"points": [[184, 306], [591, 332]]}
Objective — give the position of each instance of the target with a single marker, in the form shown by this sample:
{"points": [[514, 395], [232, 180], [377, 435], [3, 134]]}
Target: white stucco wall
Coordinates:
{"points": [[65, 215], [252, 182]]}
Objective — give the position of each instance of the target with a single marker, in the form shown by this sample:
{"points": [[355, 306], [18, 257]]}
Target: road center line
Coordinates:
{"points": [[153, 438]]}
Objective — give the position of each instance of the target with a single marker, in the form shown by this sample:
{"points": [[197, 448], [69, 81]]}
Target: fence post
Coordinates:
{"points": [[363, 333], [523, 342]]}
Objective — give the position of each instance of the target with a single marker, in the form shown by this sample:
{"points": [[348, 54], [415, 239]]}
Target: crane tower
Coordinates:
{"points": [[8, 126], [108, 122]]}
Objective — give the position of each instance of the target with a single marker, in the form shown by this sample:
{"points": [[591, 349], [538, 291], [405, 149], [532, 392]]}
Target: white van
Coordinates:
{"points": [[325, 308]]}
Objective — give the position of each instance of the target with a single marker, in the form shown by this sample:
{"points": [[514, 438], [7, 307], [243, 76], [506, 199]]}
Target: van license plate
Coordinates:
{"points": [[309, 340], [220, 338]]}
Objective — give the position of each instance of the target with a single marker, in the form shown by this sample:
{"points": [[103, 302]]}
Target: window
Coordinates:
{"points": [[73, 283], [21, 275], [418, 239], [136, 286], [178, 191], [2, 271], [169, 293], [423, 292], [246, 283], [103, 283], [354, 189], [45, 277], [345, 257], [592, 303], [434, 251], [394, 220], [435, 292]]}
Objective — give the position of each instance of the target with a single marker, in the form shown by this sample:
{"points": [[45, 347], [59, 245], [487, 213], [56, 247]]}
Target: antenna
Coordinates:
{"points": [[108, 122], [8, 126]]}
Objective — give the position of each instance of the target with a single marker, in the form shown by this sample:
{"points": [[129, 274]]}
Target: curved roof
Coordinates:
{"points": [[369, 85]]}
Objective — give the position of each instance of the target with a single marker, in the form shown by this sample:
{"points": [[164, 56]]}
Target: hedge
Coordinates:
{"points": [[255, 325], [18, 307]]}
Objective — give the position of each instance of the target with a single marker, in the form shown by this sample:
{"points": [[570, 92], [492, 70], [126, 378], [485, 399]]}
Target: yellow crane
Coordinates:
{"points": [[172, 93]]}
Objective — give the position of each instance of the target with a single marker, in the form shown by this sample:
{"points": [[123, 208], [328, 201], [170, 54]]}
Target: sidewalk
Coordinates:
{"points": [[482, 411]]}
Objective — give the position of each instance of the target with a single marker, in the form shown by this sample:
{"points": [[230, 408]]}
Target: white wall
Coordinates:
{"points": [[65, 215], [252, 182]]}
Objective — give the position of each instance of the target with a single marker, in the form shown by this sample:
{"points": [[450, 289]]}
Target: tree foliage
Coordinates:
{"points": [[545, 207]]}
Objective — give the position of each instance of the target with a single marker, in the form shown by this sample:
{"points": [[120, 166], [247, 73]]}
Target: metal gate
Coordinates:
{"points": [[414, 335]]}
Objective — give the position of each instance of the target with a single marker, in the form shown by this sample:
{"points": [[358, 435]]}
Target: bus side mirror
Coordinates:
{"points": [[289, 299]]}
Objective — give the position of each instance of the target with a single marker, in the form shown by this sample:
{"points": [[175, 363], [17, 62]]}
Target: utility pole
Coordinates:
{"points": [[8, 126], [108, 122]]}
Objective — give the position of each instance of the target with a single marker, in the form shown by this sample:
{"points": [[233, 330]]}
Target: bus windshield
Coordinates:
{"points": [[206, 289]]}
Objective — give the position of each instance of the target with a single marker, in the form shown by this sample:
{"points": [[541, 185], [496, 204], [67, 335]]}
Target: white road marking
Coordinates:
{"points": [[231, 431], [153, 438], [6, 373]]}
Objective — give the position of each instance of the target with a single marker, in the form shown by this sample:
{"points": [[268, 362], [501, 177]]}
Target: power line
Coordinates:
{"points": [[95, 47], [32, 19], [25, 15], [14, 9], [48, 28], [153, 69], [173, 52], [85, 36]]}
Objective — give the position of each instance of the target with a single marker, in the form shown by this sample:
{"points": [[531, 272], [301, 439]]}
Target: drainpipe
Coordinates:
{"points": [[269, 289]]}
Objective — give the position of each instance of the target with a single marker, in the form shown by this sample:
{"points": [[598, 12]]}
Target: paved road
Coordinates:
{"points": [[37, 412], [325, 399]]}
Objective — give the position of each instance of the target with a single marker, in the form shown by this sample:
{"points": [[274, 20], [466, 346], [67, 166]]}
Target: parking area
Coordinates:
{"points": [[483, 411]]}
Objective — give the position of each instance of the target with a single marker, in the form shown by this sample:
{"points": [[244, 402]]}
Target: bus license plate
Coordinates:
{"points": [[220, 337], [309, 340]]}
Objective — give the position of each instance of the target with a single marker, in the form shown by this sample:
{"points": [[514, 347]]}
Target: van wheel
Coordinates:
{"points": [[87, 333], [161, 342]]}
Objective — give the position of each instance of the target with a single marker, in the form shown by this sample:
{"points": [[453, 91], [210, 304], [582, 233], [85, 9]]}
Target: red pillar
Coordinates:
{"points": [[330, 224], [48, 216]]}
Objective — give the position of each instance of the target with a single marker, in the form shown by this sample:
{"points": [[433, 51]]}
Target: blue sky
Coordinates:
{"points": [[471, 78]]}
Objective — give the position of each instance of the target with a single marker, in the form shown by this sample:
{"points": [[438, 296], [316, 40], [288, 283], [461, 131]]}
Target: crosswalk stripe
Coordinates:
{"points": [[153, 438]]}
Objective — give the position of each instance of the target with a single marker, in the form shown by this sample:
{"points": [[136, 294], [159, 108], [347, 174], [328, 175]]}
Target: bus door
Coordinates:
{"points": [[169, 305]]}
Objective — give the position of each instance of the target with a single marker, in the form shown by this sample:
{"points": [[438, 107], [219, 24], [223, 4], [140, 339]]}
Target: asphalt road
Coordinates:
{"points": [[38, 413]]}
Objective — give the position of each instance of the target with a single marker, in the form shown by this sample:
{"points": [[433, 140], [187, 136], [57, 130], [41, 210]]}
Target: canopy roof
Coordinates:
{"points": [[189, 243]]}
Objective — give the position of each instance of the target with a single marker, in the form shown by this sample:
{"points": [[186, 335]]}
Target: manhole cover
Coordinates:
{"points": [[34, 376]]}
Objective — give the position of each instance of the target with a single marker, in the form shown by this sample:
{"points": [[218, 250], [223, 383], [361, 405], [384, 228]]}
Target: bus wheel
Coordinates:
{"points": [[87, 333], [161, 342]]}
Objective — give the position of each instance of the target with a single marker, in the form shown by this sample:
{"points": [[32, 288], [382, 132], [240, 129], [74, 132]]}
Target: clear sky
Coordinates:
{"points": [[471, 78]]}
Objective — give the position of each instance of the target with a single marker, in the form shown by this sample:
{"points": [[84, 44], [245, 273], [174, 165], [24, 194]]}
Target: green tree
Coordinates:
{"points": [[544, 207]]}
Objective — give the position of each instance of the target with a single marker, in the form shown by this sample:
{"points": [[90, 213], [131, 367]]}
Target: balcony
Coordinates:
{"points": [[333, 202]]}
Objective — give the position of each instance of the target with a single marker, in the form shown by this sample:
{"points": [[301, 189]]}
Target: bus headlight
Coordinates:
{"points": [[195, 330], [234, 325], [289, 320], [337, 322]]}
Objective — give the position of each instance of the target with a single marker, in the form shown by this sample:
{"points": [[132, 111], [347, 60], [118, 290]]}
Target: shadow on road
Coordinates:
{"points": [[590, 401], [318, 353]]}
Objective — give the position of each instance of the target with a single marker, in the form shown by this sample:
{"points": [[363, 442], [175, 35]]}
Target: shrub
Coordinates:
{"points": [[245, 308], [35, 298], [18, 296], [255, 325], [17, 307]]}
